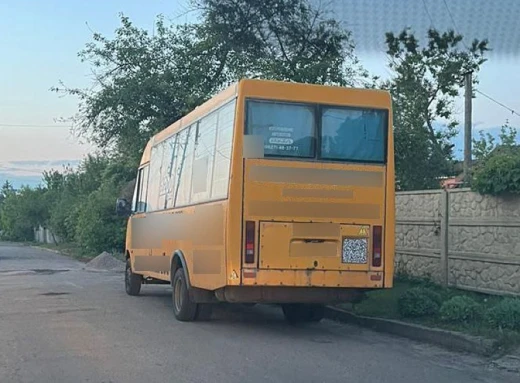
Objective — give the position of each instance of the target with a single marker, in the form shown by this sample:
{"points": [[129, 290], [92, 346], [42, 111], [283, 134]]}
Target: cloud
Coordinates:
{"points": [[37, 167], [31, 171], [44, 163]]}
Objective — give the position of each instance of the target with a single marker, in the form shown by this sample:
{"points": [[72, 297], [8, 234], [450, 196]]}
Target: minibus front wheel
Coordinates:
{"points": [[132, 281]]}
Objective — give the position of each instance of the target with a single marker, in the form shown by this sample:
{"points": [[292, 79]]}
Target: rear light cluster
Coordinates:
{"points": [[377, 246], [250, 242]]}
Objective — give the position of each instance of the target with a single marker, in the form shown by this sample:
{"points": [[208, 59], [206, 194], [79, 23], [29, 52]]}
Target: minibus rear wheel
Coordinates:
{"points": [[183, 308], [204, 311]]}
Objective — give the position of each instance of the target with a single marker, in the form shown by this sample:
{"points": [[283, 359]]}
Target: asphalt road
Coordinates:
{"points": [[61, 323]]}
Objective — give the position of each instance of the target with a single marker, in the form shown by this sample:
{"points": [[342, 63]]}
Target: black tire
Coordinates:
{"points": [[183, 308], [132, 281], [301, 313], [204, 311], [317, 313]]}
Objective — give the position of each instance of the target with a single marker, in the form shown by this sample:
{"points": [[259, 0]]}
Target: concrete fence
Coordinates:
{"points": [[44, 235], [460, 238]]}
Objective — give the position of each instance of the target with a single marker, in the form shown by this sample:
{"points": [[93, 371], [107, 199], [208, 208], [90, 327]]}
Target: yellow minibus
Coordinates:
{"points": [[269, 192]]}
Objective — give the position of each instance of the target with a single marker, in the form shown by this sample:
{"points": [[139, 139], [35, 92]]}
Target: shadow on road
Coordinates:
{"points": [[243, 317]]}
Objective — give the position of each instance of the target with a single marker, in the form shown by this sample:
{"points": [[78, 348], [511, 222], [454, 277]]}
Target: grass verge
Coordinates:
{"points": [[388, 304]]}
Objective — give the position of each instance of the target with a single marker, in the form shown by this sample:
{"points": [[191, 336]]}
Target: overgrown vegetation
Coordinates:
{"points": [[77, 205], [498, 168], [22, 211], [426, 79], [505, 315], [419, 302], [146, 81], [423, 302], [460, 309]]}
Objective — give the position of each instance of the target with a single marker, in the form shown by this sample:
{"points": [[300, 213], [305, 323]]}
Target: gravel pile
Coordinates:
{"points": [[105, 261]]}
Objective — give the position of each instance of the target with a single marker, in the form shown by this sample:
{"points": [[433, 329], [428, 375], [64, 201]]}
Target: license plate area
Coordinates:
{"points": [[354, 251]]}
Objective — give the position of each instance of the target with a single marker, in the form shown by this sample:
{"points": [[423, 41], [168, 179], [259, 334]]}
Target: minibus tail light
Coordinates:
{"points": [[377, 246], [250, 242]]}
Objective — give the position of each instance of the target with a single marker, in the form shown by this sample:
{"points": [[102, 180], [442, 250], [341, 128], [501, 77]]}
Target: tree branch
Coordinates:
{"points": [[311, 28]]}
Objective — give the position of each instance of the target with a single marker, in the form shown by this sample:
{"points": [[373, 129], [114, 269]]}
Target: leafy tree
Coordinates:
{"points": [[425, 83], [498, 163], [70, 195], [485, 144], [288, 40], [98, 228], [143, 82], [7, 189], [22, 211]]}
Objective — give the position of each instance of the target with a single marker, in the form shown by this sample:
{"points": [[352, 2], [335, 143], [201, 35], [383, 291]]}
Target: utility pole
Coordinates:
{"points": [[467, 126]]}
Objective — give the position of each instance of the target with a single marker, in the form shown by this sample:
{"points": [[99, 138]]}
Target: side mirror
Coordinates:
{"points": [[123, 208]]}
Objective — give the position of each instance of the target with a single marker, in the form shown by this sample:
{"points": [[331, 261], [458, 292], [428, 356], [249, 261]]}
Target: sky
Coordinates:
{"points": [[40, 40]]}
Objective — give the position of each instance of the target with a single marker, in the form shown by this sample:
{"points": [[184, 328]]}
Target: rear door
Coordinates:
{"points": [[314, 216]]}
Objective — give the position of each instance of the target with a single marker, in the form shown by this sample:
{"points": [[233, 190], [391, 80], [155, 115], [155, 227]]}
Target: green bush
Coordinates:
{"points": [[505, 314], [419, 302], [459, 309], [98, 227], [21, 212], [63, 217], [499, 173]]}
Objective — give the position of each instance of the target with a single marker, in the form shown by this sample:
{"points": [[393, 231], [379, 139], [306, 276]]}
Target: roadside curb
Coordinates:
{"points": [[85, 261], [509, 363], [448, 339], [46, 249]]}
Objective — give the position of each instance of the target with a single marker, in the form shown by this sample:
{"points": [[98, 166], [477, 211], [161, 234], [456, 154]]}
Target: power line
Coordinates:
{"points": [[34, 126], [498, 102], [428, 13], [464, 43], [451, 16], [453, 22]]}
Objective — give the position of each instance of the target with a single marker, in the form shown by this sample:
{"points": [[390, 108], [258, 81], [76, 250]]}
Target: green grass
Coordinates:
{"points": [[380, 303], [384, 304]]}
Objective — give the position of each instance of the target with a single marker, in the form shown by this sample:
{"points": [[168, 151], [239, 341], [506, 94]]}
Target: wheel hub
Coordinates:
{"points": [[177, 295]]}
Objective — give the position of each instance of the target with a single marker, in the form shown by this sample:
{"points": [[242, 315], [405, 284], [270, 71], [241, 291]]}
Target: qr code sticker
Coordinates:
{"points": [[355, 250]]}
